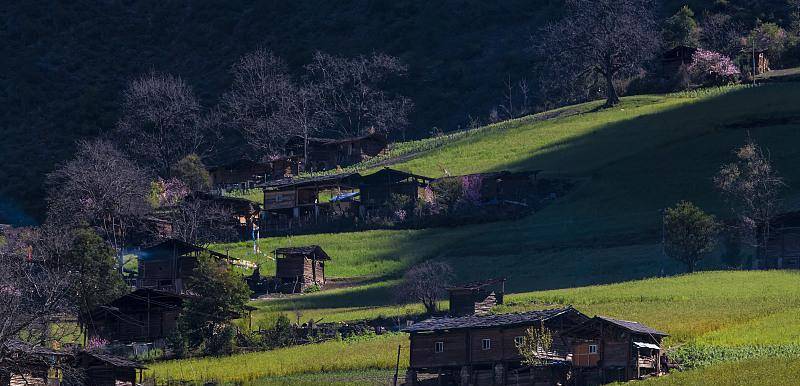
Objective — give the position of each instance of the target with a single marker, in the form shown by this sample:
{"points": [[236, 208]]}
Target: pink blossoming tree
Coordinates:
{"points": [[713, 68]]}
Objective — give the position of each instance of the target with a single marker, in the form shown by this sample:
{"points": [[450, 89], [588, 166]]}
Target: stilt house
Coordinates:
{"points": [[380, 188], [244, 173], [473, 347], [298, 268], [297, 202]]}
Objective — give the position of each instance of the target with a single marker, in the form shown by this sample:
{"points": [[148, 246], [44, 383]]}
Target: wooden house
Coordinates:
{"points": [[503, 186], [102, 369], [477, 298], [378, 189], [607, 350], [676, 57], [142, 316], [245, 173], [168, 264], [297, 268], [473, 347], [783, 243], [328, 154], [297, 202]]}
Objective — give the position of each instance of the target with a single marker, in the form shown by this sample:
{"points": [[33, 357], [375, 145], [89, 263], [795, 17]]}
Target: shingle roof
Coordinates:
{"points": [[632, 326], [306, 250], [325, 179], [476, 321], [113, 360]]}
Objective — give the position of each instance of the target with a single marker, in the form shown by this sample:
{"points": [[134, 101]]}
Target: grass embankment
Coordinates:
{"points": [[377, 352]]}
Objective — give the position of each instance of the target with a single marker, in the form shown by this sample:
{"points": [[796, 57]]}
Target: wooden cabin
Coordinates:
{"points": [[142, 316], [676, 57], [168, 264], [102, 369], [245, 173], [473, 347], [477, 298], [377, 189], [607, 350], [328, 154], [296, 202], [297, 268], [783, 243]]}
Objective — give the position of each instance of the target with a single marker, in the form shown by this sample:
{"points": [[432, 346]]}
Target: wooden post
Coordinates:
{"points": [[397, 365]]}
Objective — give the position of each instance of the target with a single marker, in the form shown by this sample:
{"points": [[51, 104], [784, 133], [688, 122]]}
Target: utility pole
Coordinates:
{"points": [[754, 61]]}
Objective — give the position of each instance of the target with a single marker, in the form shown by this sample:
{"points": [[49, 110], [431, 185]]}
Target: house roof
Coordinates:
{"points": [[242, 163], [477, 284], [632, 326], [308, 250], [338, 141], [175, 247], [390, 176], [112, 360], [496, 320], [25, 348], [321, 181], [235, 204]]}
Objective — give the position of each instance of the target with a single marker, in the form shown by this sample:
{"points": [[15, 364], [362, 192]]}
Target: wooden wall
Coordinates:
{"points": [[302, 269]]}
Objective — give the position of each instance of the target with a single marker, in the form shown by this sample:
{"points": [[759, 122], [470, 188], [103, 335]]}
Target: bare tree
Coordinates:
{"points": [[610, 38], [201, 222], [354, 91], [426, 283], [161, 121], [254, 103], [303, 112], [721, 33], [99, 187], [33, 300], [752, 188]]}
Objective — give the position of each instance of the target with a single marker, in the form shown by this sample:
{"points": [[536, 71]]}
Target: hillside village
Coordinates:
{"points": [[646, 231]]}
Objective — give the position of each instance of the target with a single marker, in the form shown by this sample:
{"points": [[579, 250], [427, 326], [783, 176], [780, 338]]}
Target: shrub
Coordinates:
{"points": [[713, 69], [221, 341]]}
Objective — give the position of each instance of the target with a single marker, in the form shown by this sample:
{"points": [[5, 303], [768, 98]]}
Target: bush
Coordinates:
{"points": [[312, 289], [281, 334], [711, 68], [222, 341], [191, 171]]}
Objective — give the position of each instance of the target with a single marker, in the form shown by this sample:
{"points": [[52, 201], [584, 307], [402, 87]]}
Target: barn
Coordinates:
{"points": [[297, 268], [479, 349]]}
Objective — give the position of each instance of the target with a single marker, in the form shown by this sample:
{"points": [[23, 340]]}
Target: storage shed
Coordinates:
{"points": [[476, 298], [297, 268], [102, 369]]}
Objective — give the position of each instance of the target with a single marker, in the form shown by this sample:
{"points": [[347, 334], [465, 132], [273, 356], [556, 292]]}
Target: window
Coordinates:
{"points": [[592, 349], [486, 344], [439, 347], [518, 341]]}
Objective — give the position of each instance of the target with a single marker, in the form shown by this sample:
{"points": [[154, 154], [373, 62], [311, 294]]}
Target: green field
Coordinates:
{"points": [[735, 314], [593, 248]]}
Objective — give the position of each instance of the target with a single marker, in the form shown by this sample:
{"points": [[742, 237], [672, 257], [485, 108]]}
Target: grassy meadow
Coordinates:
{"points": [[597, 248]]}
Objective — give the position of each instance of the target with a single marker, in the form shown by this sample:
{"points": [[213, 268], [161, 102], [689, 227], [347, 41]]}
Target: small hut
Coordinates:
{"points": [[102, 369], [476, 298], [298, 268]]}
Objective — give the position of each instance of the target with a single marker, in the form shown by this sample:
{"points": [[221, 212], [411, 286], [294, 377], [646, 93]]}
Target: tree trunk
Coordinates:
{"points": [[612, 99]]}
